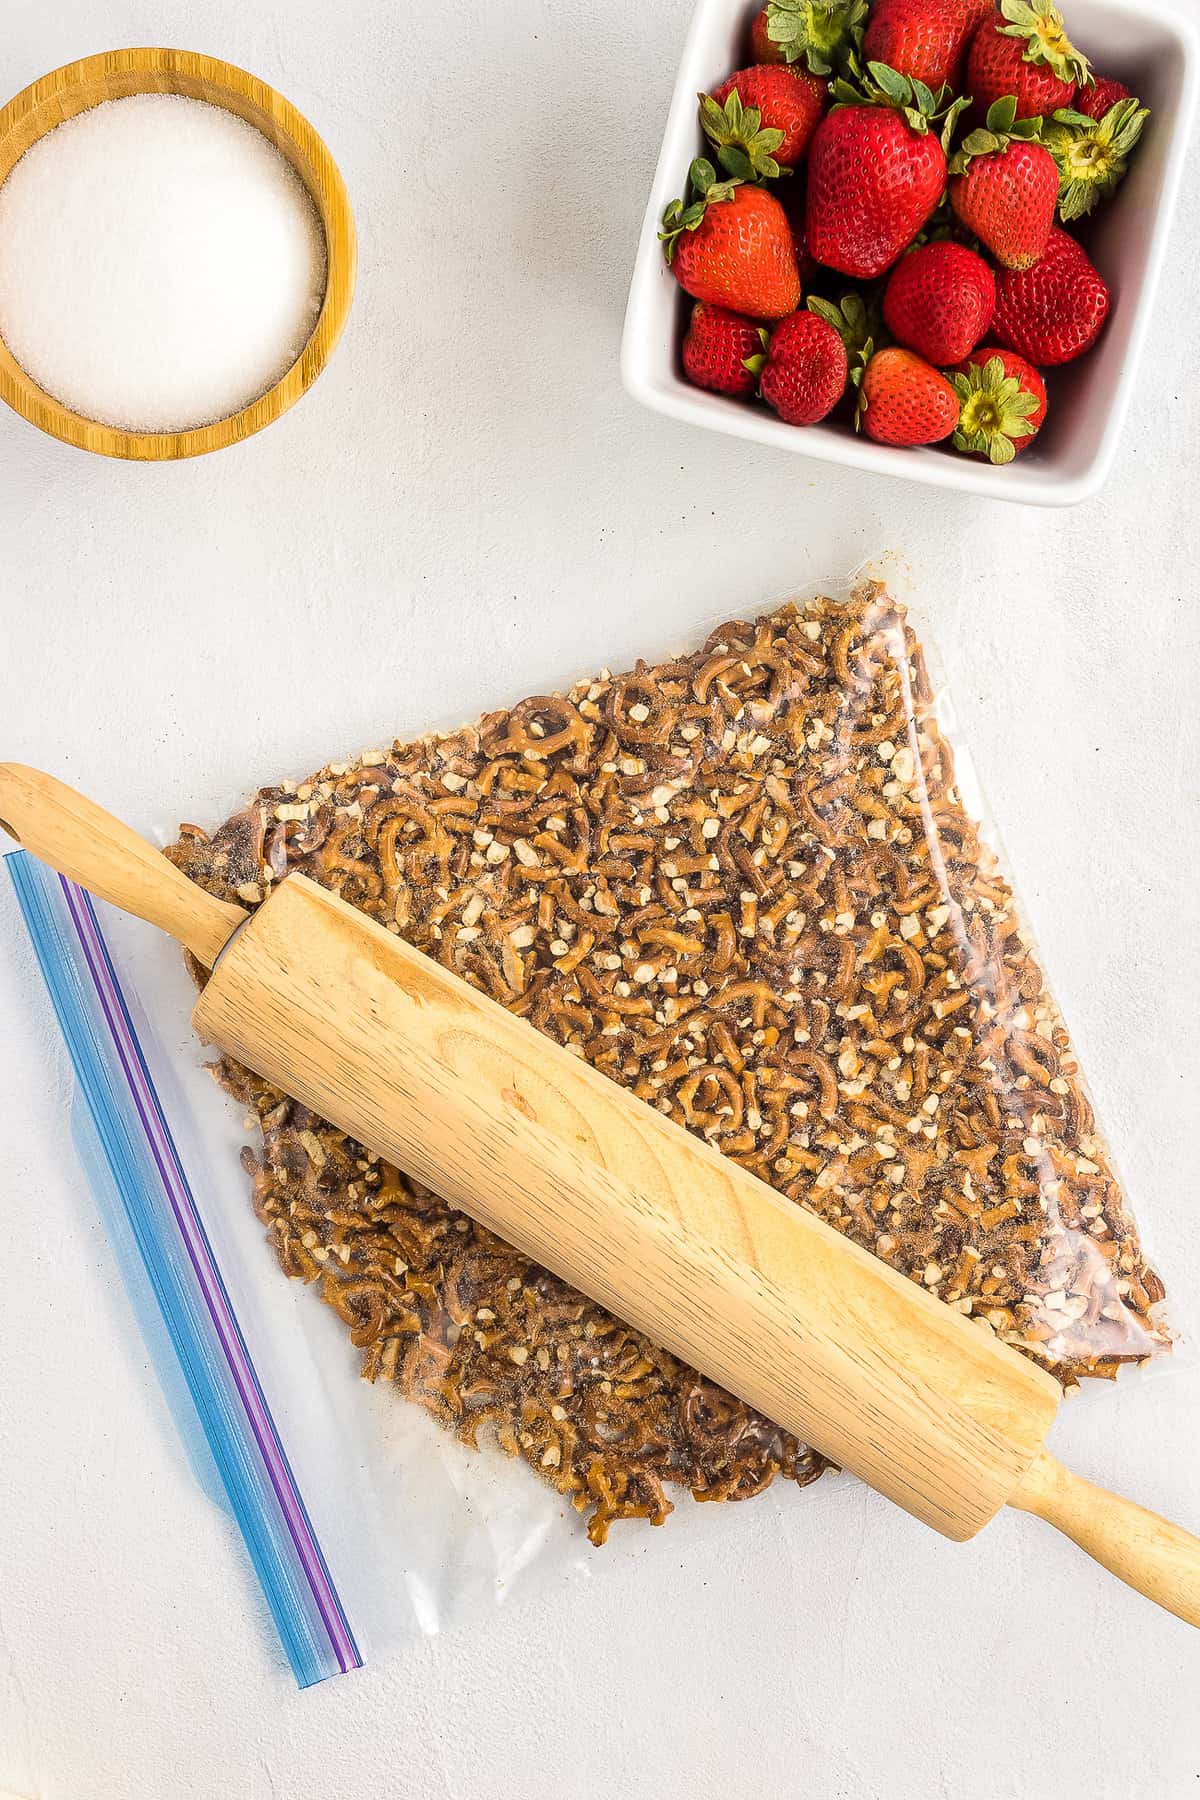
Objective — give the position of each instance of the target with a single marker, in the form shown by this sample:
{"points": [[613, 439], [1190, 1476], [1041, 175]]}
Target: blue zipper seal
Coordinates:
{"points": [[156, 1197]]}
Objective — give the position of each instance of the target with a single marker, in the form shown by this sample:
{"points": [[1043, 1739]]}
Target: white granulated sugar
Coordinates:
{"points": [[161, 263]]}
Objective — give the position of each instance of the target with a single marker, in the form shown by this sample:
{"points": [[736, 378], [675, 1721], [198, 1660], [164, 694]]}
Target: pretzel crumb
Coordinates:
{"points": [[743, 884]]}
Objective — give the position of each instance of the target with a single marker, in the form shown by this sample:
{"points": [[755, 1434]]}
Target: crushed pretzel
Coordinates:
{"points": [[743, 884]]}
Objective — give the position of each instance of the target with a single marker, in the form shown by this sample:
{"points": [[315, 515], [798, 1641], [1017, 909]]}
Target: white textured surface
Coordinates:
{"points": [[464, 506]]}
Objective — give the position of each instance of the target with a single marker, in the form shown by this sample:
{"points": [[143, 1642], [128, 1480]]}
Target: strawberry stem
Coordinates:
{"points": [[1092, 154], [994, 411], [1046, 41], [1002, 128], [821, 32], [743, 144], [681, 216], [880, 85]]}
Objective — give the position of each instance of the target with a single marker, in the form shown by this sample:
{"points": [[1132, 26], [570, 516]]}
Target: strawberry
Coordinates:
{"points": [[761, 119], [763, 48], [796, 209], [716, 349], [1024, 51], [732, 246], [1092, 154], [1004, 186], [802, 372], [856, 321], [903, 400], [822, 33], [939, 301], [1095, 102], [1054, 311], [875, 172], [1002, 402], [923, 39]]}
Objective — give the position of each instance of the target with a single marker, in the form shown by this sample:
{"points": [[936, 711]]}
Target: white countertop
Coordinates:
{"points": [[465, 509]]}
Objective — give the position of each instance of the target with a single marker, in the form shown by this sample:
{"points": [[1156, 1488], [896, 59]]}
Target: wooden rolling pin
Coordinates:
{"points": [[758, 1294]]}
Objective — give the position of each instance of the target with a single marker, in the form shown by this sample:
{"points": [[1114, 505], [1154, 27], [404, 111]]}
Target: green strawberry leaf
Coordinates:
{"points": [[881, 85], [1001, 130], [736, 162], [858, 369], [1092, 155], [756, 363], [743, 146], [825, 309], [976, 143], [678, 218], [821, 33], [953, 113], [843, 93], [896, 86], [857, 322], [994, 411], [1001, 114], [1046, 41]]}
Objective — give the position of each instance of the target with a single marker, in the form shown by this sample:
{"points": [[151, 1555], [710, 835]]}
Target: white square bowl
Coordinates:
{"points": [[1141, 42]]}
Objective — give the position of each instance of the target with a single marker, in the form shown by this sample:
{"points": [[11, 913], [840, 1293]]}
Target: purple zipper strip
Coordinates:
{"points": [[211, 1286]]}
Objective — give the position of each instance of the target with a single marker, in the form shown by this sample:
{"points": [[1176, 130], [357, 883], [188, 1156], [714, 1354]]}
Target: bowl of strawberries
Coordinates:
{"points": [[920, 237]]}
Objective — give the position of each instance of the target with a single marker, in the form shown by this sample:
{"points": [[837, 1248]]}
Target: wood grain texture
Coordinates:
{"points": [[114, 75], [88, 845], [760, 1295], [1160, 1560]]}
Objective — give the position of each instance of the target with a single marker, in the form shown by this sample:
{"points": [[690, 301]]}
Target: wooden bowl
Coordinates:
{"points": [[115, 75]]}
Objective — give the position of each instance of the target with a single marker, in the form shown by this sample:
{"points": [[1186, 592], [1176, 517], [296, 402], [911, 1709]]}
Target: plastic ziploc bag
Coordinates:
{"points": [[745, 883], [365, 1524]]}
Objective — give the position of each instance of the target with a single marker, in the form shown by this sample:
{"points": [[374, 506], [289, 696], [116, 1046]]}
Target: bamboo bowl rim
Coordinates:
{"points": [[115, 75]]}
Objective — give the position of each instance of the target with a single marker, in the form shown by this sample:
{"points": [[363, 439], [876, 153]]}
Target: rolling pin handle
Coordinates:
{"points": [[1158, 1559], [83, 842]]}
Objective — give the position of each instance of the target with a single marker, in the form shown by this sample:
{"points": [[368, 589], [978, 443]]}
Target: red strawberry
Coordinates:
{"points": [[923, 39], [1002, 402], [875, 173], [717, 347], [796, 208], [763, 47], [903, 400], [783, 101], [1054, 311], [1095, 102], [1004, 187], [939, 301], [1024, 50], [819, 33], [857, 321], [803, 373], [732, 247]]}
